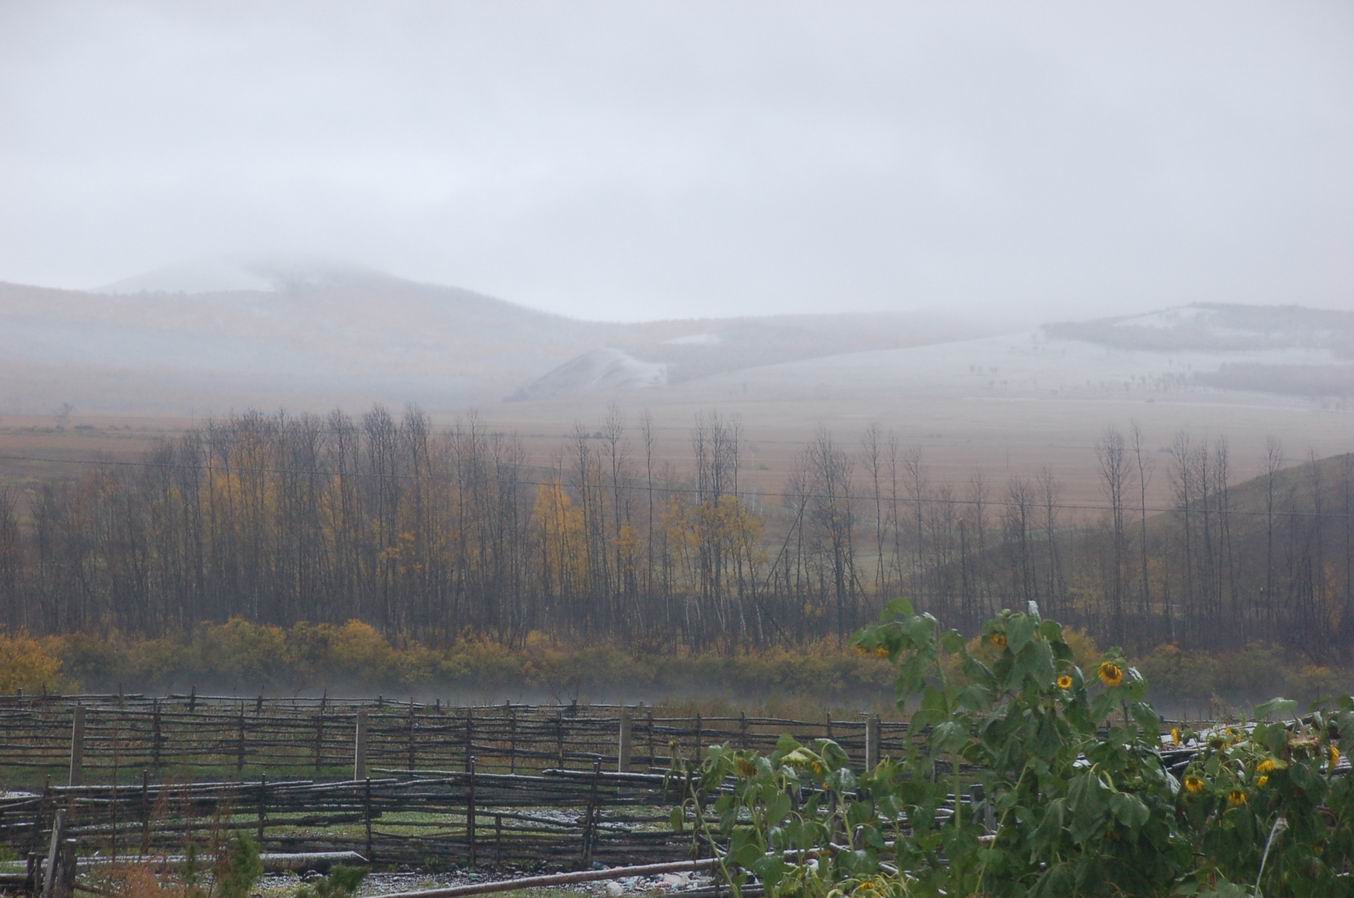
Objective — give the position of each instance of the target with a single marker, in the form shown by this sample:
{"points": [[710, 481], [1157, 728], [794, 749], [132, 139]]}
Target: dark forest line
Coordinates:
{"points": [[437, 536]]}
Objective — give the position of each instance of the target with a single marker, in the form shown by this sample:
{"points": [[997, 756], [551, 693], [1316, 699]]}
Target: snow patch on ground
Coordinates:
{"points": [[598, 371], [1165, 319], [696, 340]]}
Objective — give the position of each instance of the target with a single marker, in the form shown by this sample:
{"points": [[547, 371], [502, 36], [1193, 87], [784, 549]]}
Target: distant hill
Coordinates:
{"points": [[267, 335], [209, 336], [1320, 343], [216, 334]]}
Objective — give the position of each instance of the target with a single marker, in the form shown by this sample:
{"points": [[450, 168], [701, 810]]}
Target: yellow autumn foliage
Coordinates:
{"points": [[28, 665]]}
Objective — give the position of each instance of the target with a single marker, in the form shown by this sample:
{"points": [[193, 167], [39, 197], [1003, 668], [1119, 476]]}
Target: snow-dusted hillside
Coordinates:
{"points": [[598, 371]]}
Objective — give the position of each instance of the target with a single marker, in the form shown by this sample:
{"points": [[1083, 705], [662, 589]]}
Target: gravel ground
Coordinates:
{"points": [[376, 884]]}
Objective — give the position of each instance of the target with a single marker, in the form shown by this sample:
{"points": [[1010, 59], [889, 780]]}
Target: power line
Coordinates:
{"points": [[670, 489]]}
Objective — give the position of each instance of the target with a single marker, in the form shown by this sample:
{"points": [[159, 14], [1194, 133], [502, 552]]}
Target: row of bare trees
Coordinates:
{"points": [[432, 535]]}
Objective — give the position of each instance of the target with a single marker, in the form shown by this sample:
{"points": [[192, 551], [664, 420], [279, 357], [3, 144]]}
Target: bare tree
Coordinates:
{"points": [[1111, 454]]}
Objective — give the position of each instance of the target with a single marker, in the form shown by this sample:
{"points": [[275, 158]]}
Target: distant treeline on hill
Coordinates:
{"points": [[432, 536]]}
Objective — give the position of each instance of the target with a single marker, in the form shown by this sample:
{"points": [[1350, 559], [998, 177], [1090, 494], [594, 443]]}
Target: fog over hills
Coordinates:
{"points": [[211, 335], [216, 334]]}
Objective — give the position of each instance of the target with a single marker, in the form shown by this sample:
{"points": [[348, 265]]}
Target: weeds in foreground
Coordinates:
{"points": [[1066, 790]]}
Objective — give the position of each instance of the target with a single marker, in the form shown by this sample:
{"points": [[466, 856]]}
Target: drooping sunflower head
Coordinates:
{"points": [[1262, 780], [1175, 735], [881, 651], [746, 768], [1065, 681], [1194, 784], [1334, 755], [1268, 765], [1110, 674], [1236, 798], [997, 639]]}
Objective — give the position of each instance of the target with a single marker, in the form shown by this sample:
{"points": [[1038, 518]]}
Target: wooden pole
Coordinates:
{"points": [[590, 823], [871, 742], [470, 808], [319, 730], [410, 748], [366, 813], [51, 871], [360, 747], [469, 741], [145, 813], [263, 807], [156, 736], [239, 748], [623, 741], [77, 772]]}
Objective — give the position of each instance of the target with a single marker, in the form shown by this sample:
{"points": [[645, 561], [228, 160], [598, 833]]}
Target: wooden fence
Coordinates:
{"points": [[79, 740], [432, 821]]}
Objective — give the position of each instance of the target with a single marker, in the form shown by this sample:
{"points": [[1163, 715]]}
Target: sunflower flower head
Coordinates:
{"points": [[1237, 798], [1334, 757], [1268, 765], [1175, 735], [881, 651], [997, 639], [1065, 681], [1262, 780], [1194, 784], [1110, 674]]}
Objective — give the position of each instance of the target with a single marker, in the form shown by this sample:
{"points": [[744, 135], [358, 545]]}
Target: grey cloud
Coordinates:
{"points": [[622, 160]]}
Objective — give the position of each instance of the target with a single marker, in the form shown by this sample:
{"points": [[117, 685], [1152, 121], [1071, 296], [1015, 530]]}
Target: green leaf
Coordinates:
{"points": [[897, 609], [1280, 708], [770, 870], [1129, 809], [1019, 631], [948, 737]]}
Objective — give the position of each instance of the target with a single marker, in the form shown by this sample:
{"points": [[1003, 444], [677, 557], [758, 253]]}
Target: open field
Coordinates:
{"points": [[958, 436]]}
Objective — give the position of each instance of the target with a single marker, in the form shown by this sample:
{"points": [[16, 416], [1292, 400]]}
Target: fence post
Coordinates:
{"points": [[470, 807], [50, 871], [145, 814], [512, 739], [360, 747], [366, 812], [559, 737], [156, 735], [871, 742], [65, 884], [469, 741], [410, 749], [239, 748], [319, 731], [263, 806], [623, 742], [590, 823], [77, 773]]}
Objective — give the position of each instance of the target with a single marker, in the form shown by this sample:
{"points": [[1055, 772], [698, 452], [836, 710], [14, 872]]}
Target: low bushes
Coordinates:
{"points": [[356, 657]]}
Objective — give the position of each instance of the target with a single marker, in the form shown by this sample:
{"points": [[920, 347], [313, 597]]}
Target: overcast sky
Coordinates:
{"points": [[644, 159]]}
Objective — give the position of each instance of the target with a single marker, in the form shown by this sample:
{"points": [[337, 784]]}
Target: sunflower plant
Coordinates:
{"points": [[1061, 783]]}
